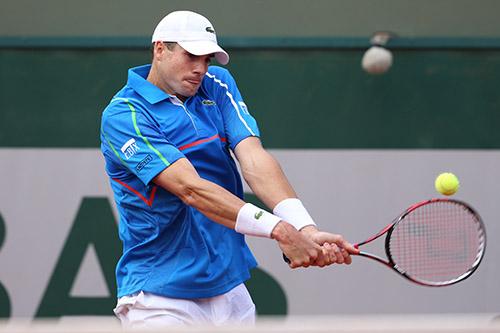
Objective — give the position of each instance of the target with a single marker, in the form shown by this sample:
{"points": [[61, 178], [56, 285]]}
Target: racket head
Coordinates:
{"points": [[437, 242]]}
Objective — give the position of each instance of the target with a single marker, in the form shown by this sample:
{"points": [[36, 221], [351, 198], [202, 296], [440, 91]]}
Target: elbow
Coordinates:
{"points": [[249, 170], [181, 180], [249, 177], [187, 193]]}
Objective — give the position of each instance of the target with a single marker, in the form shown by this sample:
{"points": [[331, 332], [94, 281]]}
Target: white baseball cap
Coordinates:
{"points": [[192, 31]]}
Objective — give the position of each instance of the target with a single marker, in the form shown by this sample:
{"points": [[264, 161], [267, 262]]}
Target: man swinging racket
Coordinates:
{"points": [[166, 137]]}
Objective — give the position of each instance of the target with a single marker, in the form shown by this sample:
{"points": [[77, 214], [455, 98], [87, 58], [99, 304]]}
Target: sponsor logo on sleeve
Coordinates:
{"points": [[144, 162], [129, 148]]}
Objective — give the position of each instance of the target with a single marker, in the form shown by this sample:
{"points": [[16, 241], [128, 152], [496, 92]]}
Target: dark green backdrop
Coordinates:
{"points": [[302, 98]]}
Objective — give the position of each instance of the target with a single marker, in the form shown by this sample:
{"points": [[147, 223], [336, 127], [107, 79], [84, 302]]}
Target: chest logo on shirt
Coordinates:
{"points": [[207, 102], [130, 148]]}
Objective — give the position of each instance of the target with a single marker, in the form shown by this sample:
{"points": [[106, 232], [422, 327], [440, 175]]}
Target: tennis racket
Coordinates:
{"points": [[436, 243]]}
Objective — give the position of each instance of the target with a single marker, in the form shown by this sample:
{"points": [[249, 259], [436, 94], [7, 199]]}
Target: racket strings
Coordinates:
{"points": [[437, 242]]}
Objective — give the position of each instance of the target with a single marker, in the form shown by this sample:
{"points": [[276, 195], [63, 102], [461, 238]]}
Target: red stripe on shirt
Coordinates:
{"points": [[149, 201], [195, 143]]}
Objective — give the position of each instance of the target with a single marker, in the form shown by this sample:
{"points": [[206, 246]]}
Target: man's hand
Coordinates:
{"points": [[301, 250], [335, 248]]}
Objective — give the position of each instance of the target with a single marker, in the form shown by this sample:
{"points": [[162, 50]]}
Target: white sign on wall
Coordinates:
{"points": [[58, 224]]}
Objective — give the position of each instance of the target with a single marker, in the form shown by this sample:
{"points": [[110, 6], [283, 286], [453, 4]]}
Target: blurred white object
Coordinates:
{"points": [[377, 60]]}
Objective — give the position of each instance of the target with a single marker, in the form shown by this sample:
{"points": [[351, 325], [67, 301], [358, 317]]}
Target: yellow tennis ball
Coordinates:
{"points": [[447, 183]]}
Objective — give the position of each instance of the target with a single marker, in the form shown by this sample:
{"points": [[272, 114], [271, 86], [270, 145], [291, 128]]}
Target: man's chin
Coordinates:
{"points": [[189, 92], [186, 94]]}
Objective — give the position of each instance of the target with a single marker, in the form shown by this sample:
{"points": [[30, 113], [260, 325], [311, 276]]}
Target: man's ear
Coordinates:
{"points": [[159, 50]]}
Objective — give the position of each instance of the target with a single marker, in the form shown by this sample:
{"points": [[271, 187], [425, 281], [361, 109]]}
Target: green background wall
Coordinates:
{"points": [[297, 64], [302, 98]]}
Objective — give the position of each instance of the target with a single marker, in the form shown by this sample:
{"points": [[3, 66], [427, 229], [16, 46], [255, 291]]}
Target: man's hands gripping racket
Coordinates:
{"points": [[435, 243]]}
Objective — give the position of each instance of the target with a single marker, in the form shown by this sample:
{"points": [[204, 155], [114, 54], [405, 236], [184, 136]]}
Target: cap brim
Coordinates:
{"points": [[206, 47]]}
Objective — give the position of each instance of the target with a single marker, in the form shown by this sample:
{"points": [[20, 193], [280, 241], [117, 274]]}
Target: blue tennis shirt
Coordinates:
{"points": [[170, 248]]}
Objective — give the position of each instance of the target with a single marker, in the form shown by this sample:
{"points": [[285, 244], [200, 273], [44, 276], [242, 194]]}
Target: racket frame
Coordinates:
{"points": [[390, 228]]}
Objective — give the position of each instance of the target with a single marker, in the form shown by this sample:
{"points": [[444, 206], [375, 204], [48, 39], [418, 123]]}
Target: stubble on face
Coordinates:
{"points": [[178, 72]]}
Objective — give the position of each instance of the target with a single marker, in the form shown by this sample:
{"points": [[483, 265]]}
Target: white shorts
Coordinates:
{"points": [[146, 310]]}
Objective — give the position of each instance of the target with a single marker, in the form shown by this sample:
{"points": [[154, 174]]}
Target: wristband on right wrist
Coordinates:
{"points": [[293, 211]]}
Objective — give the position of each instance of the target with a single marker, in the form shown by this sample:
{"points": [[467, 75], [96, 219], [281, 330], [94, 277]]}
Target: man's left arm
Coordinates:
{"points": [[264, 175]]}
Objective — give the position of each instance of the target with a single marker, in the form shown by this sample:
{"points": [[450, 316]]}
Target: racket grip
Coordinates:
{"points": [[285, 258]]}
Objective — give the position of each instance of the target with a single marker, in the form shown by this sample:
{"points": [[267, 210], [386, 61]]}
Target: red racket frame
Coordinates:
{"points": [[390, 227]]}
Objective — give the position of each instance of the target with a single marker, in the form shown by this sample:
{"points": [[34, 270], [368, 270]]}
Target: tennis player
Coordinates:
{"points": [[167, 138]]}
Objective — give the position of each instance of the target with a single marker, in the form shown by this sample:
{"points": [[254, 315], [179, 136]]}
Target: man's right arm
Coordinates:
{"points": [[221, 206]]}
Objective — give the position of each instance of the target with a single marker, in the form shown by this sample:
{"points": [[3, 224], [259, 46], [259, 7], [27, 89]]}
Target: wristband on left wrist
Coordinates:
{"points": [[254, 221]]}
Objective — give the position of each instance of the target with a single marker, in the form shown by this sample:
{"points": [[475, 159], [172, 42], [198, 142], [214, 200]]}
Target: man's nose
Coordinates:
{"points": [[201, 66]]}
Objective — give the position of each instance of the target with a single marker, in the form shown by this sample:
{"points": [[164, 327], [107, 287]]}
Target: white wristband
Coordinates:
{"points": [[293, 211], [254, 221]]}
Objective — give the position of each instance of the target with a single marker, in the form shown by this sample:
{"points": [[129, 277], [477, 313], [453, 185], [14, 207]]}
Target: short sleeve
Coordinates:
{"points": [[238, 122], [136, 140]]}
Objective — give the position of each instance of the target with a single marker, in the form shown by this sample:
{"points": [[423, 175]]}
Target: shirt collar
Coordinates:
{"points": [[137, 81]]}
